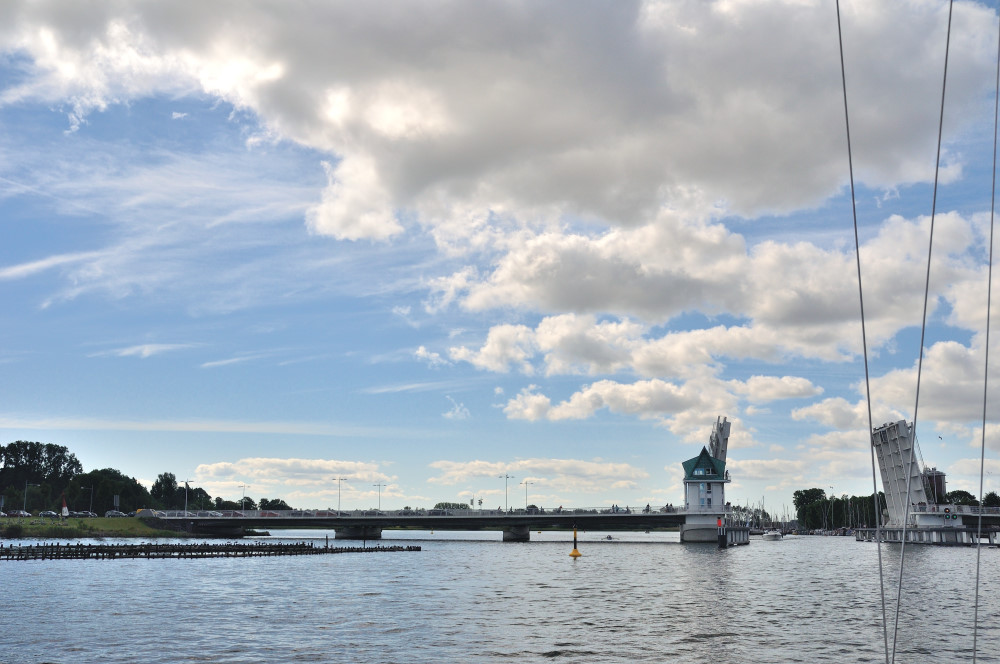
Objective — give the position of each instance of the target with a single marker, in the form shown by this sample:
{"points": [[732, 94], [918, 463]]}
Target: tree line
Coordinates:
{"points": [[36, 476], [815, 510]]}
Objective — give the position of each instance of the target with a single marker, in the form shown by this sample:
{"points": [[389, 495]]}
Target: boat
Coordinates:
{"points": [[771, 535]]}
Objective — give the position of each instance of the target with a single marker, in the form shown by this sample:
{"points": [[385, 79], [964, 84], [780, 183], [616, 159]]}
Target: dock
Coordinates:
{"points": [[151, 551]]}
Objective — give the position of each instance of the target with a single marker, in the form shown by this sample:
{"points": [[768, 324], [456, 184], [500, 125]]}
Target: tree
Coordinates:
{"points": [[960, 497], [102, 486], [36, 463], [275, 504], [48, 467], [451, 506], [991, 499], [164, 490], [810, 507], [804, 497]]}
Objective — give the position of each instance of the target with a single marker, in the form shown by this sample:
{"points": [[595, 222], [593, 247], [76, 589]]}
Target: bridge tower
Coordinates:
{"points": [[705, 479], [895, 444]]}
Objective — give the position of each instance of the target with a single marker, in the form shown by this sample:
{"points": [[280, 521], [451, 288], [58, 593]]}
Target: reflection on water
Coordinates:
{"points": [[468, 596]]}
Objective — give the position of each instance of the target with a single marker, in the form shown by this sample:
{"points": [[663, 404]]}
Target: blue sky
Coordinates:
{"points": [[426, 245]]}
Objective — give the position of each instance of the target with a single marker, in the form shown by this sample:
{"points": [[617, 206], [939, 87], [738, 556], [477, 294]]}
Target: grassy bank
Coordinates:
{"points": [[79, 528]]}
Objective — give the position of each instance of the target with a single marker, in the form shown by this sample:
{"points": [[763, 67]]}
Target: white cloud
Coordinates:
{"points": [[143, 350], [416, 122], [355, 205], [301, 482], [505, 345], [458, 411], [431, 358], [771, 388], [557, 475]]}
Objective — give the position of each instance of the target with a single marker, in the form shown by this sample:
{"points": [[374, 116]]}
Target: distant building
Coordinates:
{"points": [[705, 479], [935, 484]]}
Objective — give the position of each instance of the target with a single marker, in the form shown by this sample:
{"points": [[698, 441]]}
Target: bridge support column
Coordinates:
{"points": [[700, 528], [517, 534], [358, 533]]}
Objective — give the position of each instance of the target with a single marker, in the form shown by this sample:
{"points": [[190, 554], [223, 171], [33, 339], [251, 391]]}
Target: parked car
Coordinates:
{"points": [[48, 514], [19, 513], [114, 514]]}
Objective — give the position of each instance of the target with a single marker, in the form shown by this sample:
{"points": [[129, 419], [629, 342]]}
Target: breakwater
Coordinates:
{"points": [[200, 550]]}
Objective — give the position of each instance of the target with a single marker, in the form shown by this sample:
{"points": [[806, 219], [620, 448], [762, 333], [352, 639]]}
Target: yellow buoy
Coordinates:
{"points": [[574, 553]]}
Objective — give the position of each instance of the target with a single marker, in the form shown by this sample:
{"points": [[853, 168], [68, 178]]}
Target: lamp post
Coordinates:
{"points": [[91, 509], [340, 480], [526, 483], [379, 495], [186, 497], [24, 508], [505, 477], [831, 506], [243, 503]]}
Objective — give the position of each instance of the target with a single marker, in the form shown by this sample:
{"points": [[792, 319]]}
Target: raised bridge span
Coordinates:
{"points": [[516, 525]]}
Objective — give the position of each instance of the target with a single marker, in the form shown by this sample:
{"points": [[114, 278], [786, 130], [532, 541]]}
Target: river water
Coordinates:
{"points": [[470, 597]]}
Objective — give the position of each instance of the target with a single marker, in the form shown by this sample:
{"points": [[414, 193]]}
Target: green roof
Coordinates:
{"points": [[711, 466]]}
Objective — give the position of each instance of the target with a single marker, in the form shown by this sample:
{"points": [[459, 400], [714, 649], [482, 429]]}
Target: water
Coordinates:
{"points": [[470, 597]]}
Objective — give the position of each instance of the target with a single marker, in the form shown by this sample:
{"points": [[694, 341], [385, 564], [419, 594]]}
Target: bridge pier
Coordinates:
{"points": [[517, 534], [700, 528], [358, 533]]}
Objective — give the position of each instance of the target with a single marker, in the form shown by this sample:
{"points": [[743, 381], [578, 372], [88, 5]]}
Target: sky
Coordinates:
{"points": [[386, 254]]}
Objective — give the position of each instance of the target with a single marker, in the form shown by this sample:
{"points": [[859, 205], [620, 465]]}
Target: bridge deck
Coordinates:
{"points": [[583, 518]]}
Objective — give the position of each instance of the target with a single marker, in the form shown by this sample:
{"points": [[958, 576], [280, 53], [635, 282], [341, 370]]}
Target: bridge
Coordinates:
{"points": [[369, 524], [706, 516]]}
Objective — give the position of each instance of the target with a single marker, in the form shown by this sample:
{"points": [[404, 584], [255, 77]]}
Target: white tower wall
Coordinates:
{"points": [[894, 447]]}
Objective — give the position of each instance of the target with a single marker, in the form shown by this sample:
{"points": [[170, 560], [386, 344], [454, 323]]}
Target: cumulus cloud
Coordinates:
{"points": [[264, 472], [301, 482], [553, 475], [415, 121], [594, 197], [431, 358]]}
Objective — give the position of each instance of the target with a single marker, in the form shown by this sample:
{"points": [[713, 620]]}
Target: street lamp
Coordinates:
{"points": [[243, 503], [379, 495], [91, 510], [186, 497], [24, 508], [831, 506], [505, 477], [339, 481], [526, 483]]}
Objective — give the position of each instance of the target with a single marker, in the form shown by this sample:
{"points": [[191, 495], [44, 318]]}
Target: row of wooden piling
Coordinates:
{"points": [[200, 550]]}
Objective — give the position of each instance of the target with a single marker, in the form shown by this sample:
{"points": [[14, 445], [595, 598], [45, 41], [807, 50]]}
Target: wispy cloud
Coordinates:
{"points": [[190, 426], [28, 269], [410, 387], [458, 411], [143, 350]]}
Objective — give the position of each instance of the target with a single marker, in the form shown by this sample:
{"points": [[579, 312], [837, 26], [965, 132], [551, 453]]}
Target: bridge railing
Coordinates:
{"points": [[415, 513], [954, 509]]}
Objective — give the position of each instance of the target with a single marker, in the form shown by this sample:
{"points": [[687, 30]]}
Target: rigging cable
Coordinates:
{"points": [[864, 339], [986, 362], [923, 333]]}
